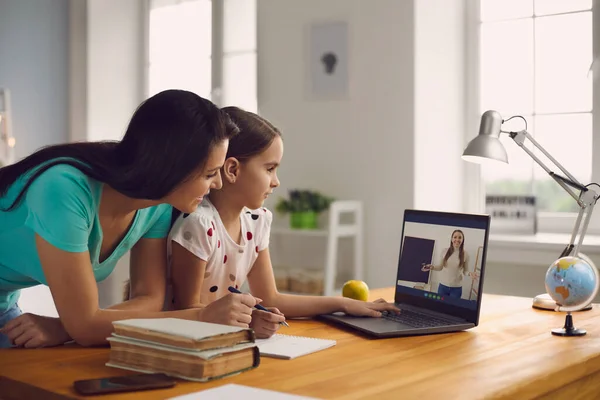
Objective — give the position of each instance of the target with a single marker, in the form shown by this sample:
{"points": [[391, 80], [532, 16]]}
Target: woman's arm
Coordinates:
{"points": [[75, 294], [187, 276], [70, 278], [147, 269], [437, 267], [262, 285], [431, 267]]}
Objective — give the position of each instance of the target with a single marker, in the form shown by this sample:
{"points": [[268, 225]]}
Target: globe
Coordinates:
{"points": [[572, 282]]}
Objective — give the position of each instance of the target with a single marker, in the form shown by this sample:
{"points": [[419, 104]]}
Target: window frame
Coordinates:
{"points": [[548, 222], [218, 54]]}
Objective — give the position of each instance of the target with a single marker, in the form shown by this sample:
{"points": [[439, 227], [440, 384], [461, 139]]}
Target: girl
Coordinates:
{"points": [[454, 266], [69, 212], [226, 239]]}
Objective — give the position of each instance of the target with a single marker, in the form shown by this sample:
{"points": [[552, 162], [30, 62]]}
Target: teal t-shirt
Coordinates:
{"points": [[61, 206]]}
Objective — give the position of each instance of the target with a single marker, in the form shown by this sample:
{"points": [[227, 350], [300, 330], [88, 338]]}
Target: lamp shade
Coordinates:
{"points": [[487, 146]]}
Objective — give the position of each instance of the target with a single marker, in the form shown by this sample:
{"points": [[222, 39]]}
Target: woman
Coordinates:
{"points": [[69, 212], [454, 266]]}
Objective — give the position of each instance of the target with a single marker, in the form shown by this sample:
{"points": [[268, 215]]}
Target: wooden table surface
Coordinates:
{"points": [[511, 355]]}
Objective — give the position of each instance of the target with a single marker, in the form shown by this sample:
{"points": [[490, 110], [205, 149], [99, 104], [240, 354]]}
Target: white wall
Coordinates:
{"points": [[440, 100], [360, 147], [107, 66], [115, 65], [33, 65], [114, 85], [103, 49]]}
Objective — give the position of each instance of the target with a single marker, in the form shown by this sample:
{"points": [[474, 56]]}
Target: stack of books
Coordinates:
{"points": [[192, 350]]}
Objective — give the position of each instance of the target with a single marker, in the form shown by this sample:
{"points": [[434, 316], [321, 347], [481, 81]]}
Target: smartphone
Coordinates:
{"points": [[123, 383]]}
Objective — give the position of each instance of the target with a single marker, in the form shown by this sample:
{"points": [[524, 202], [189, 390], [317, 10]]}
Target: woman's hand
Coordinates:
{"points": [[232, 309], [473, 275], [264, 323], [426, 267], [368, 309], [34, 331]]}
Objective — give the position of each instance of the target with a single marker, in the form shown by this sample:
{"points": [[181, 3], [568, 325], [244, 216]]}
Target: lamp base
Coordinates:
{"points": [[545, 302], [568, 329]]}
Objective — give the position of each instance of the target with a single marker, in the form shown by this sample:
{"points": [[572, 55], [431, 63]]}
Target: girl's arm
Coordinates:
{"points": [[262, 285], [187, 275], [148, 265]]}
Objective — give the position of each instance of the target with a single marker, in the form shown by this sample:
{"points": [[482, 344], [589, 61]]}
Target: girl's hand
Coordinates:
{"points": [[265, 324], [368, 309], [426, 267], [473, 275], [232, 309], [34, 331]]}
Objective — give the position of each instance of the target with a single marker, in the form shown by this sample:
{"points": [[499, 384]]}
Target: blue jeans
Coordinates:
{"points": [[454, 292], [9, 314]]}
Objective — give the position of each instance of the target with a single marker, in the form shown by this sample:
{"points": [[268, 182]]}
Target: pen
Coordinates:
{"points": [[258, 306]]}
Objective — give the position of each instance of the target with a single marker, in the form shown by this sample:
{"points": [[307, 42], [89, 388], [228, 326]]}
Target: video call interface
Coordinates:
{"points": [[441, 258]]}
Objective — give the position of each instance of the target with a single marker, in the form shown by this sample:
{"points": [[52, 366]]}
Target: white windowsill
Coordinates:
{"points": [[540, 241], [539, 249]]}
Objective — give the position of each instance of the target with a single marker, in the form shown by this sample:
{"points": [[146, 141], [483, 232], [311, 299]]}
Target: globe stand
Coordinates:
{"points": [[568, 329]]}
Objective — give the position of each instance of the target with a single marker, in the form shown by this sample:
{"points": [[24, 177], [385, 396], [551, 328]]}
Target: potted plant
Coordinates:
{"points": [[304, 207]]}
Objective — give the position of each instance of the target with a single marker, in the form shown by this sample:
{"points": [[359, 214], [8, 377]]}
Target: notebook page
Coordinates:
{"points": [[234, 391], [195, 330], [288, 347]]}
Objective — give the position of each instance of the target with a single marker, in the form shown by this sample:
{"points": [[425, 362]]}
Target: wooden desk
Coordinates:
{"points": [[511, 355]]}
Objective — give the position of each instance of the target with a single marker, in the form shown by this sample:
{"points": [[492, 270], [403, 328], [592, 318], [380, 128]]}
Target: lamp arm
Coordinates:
{"points": [[539, 146], [519, 138], [586, 199]]}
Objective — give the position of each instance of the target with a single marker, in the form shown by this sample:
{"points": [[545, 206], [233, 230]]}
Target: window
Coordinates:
{"points": [[179, 51], [239, 54], [534, 61], [207, 47]]}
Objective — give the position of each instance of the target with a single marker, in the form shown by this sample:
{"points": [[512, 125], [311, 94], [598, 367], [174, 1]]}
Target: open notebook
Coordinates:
{"points": [[288, 347]]}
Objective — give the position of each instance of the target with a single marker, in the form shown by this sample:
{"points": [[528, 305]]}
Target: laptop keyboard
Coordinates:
{"points": [[415, 319]]}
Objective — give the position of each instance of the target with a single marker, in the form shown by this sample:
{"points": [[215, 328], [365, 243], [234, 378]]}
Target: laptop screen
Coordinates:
{"points": [[441, 262]]}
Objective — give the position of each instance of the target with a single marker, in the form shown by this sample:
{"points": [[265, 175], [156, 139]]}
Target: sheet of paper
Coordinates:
{"points": [[289, 347], [234, 391]]}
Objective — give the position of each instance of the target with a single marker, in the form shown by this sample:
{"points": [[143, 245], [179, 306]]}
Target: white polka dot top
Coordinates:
{"points": [[227, 263]]}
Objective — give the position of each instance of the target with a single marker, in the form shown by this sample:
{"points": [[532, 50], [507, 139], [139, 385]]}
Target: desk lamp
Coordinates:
{"points": [[487, 148]]}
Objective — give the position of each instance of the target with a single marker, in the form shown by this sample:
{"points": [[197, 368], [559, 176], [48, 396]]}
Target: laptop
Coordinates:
{"points": [[433, 301]]}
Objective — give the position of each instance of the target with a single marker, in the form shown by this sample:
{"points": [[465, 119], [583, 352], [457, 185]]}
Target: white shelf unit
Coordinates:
{"points": [[336, 230]]}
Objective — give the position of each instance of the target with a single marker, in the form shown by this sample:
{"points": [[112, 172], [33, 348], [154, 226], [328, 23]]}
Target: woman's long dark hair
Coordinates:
{"points": [[461, 251], [168, 139]]}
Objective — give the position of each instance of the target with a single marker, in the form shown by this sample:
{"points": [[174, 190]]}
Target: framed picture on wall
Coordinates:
{"points": [[328, 60]]}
